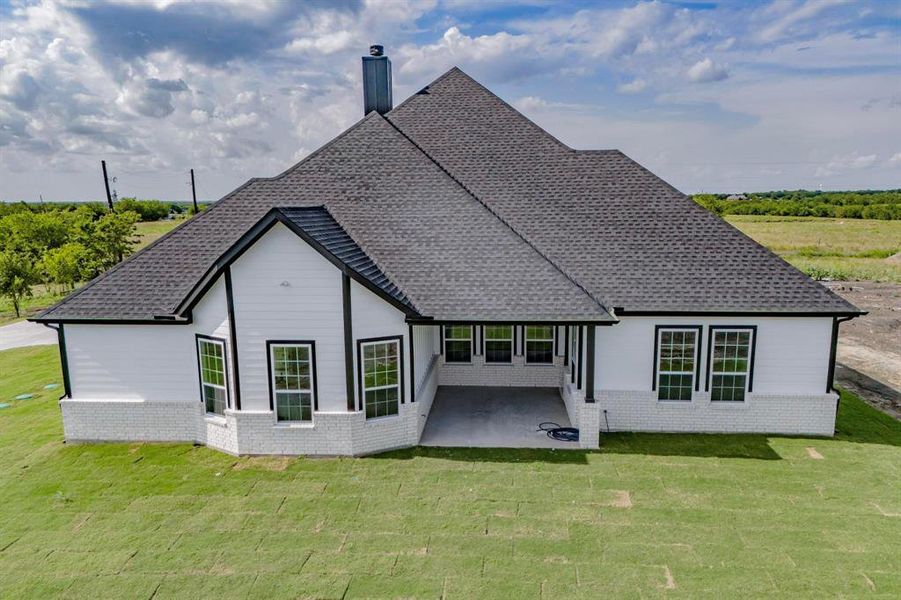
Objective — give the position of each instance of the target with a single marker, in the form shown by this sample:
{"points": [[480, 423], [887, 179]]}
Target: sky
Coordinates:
{"points": [[712, 96]]}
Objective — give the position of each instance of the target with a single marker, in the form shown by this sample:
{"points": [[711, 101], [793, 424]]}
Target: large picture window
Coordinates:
{"points": [[381, 376], [539, 344], [213, 380], [457, 343], [677, 362], [730, 364], [293, 380], [498, 343]]}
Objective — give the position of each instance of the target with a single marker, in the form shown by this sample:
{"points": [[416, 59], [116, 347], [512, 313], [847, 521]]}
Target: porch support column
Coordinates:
{"points": [[589, 368]]}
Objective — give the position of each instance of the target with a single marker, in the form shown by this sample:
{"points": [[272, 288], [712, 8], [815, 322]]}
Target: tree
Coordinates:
{"points": [[65, 265], [107, 240], [17, 275]]}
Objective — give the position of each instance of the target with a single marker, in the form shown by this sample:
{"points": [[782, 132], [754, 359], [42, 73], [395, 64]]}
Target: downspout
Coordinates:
{"points": [[63, 358], [830, 383]]}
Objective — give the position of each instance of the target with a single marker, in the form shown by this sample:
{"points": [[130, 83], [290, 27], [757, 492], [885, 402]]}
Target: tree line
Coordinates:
{"points": [[860, 204], [63, 244]]}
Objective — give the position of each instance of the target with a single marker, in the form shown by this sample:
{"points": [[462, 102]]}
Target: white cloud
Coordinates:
{"points": [[154, 105], [786, 23], [633, 87], [705, 70]]}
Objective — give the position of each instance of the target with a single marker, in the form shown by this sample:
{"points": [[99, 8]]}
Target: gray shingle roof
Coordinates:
{"points": [[474, 212], [629, 238], [328, 233]]}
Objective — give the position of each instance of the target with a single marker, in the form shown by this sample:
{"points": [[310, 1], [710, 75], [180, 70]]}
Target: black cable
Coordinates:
{"points": [[556, 432]]}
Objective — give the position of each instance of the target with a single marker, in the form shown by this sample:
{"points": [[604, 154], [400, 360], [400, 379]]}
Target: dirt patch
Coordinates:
{"points": [[264, 463], [868, 351], [812, 453], [670, 581], [623, 499]]}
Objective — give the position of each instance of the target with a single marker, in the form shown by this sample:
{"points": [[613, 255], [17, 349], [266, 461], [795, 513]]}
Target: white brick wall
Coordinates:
{"points": [[582, 415], [517, 374], [249, 432], [641, 411], [130, 420]]}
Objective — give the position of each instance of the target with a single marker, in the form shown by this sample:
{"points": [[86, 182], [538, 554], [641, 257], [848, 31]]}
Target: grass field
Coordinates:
{"points": [[846, 249], [646, 516]]}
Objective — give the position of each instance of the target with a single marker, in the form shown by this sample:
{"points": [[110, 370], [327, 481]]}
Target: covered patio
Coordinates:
{"points": [[495, 417]]}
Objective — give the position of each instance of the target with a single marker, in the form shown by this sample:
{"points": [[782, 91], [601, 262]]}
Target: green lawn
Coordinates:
{"points": [[646, 516], [847, 249]]}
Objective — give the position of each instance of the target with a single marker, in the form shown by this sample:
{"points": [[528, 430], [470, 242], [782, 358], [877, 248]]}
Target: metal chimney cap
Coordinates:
{"points": [[376, 50]]}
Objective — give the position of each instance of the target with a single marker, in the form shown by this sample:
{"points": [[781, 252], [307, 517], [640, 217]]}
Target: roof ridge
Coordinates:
{"points": [[455, 70], [501, 219]]}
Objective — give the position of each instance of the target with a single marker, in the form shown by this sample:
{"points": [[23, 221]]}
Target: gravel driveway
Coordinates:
{"points": [[24, 333]]}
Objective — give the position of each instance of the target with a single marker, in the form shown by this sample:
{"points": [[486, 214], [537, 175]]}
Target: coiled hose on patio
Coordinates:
{"points": [[556, 432]]}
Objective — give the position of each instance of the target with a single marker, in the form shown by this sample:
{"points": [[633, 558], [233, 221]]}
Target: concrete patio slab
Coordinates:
{"points": [[494, 417]]}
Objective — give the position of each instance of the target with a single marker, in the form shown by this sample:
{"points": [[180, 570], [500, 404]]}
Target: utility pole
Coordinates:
{"points": [[193, 191], [109, 197]]}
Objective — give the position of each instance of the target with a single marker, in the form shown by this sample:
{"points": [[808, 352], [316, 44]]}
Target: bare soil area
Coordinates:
{"points": [[869, 347]]}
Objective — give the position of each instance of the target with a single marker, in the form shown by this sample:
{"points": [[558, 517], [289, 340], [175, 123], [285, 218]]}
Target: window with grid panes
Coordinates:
{"points": [[381, 378], [539, 344], [730, 364], [498, 343], [676, 363], [292, 381], [211, 358], [457, 343]]}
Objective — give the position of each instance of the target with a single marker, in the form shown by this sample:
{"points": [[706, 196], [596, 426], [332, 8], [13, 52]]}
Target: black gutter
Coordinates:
{"points": [[233, 334], [431, 321], [620, 312], [830, 378], [63, 358]]}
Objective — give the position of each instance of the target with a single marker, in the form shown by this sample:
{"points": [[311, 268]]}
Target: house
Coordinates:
{"points": [[448, 241]]}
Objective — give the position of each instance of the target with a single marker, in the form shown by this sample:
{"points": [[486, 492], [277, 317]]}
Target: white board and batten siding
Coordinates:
{"points": [[283, 289], [156, 363], [790, 372]]}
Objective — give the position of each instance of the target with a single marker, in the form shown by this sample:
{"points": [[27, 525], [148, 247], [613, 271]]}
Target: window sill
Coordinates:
{"points": [[293, 425], [458, 363], [548, 364], [380, 419], [729, 404], [674, 402], [214, 419]]}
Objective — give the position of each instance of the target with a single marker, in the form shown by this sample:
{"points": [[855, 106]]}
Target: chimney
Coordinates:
{"points": [[376, 81]]}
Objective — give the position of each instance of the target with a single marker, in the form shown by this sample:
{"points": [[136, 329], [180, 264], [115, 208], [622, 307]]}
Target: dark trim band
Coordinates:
{"points": [[348, 343], [589, 368], [233, 334]]}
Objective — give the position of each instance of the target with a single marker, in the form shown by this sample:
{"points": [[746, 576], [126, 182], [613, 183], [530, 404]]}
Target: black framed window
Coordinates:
{"points": [[381, 376], [213, 378], [539, 344], [498, 343], [457, 343], [292, 375], [730, 364], [676, 362]]}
